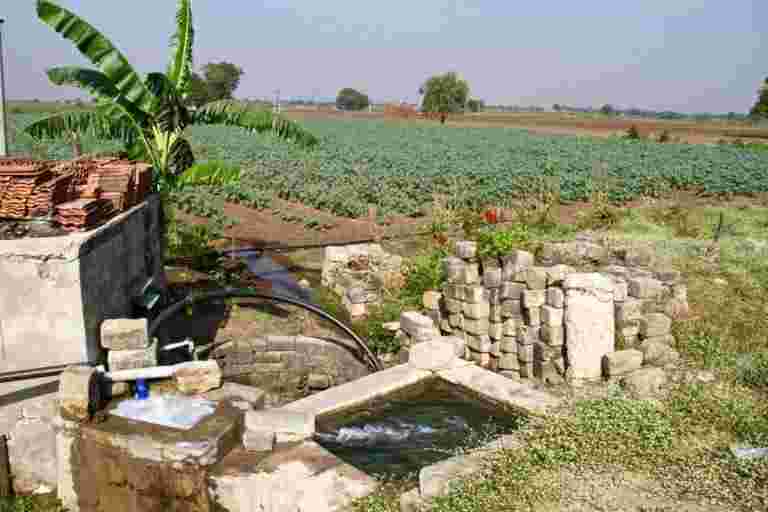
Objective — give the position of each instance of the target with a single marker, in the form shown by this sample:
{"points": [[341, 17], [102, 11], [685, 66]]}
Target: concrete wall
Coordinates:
{"points": [[55, 292]]}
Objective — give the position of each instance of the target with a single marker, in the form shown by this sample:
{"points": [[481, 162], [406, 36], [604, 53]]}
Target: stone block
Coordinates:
{"points": [[494, 296], [476, 326], [532, 316], [645, 382], [454, 291], [496, 330], [511, 326], [452, 305], [536, 278], [445, 325], [321, 381], [534, 298], [479, 343], [548, 374], [466, 250], [525, 353], [512, 309], [620, 289], [509, 362], [259, 440], [496, 349], [492, 278], [132, 359], [630, 333], [197, 377], [414, 323], [495, 313], [79, 393], [589, 324], [526, 370], [254, 396], [542, 352], [555, 297], [513, 291], [432, 355], [510, 374], [668, 275], [470, 274], [552, 316], [287, 425], [456, 320], [622, 362], [475, 294], [359, 295], [645, 288], [653, 325], [508, 345], [431, 300], [553, 335], [476, 310], [336, 254], [527, 335], [125, 334], [655, 350], [556, 274], [559, 365], [453, 269], [629, 312]]}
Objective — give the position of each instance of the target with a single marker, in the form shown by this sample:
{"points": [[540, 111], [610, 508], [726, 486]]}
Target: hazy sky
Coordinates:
{"points": [[686, 55]]}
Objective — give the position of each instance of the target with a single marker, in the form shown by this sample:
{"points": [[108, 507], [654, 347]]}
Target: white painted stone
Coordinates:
{"points": [[432, 355], [280, 421], [589, 324], [259, 440], [414, 323], [197, 376], [516, 395], [458, 344]]}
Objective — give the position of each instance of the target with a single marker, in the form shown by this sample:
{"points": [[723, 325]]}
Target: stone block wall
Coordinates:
{"points": [[553, 322], [359, 273]]}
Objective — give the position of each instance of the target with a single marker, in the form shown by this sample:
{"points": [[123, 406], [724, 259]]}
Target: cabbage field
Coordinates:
{"points": [[398, 166]]}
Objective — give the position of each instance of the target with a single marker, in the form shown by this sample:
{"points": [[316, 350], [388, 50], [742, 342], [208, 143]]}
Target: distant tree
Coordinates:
{"points": [[222, 79], [198, 91], [760, 110], [608, 109], [556, 107], [351, 99], [475, 105], [445, 94]]}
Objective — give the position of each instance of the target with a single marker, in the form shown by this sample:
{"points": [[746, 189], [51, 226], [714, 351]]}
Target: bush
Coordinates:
{"points": [[633, 133], [423, 272], [493, 243]]}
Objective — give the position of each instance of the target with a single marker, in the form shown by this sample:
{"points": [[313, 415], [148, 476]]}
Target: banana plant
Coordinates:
{"points": [[148, 114]]}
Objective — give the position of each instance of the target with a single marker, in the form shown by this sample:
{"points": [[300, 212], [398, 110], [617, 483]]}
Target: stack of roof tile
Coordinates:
{"points": [[22, 177], [54, 191], [83, 214]]}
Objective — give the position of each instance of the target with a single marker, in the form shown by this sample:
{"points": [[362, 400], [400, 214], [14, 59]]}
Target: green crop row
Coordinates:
{"points": [[399, 166]]}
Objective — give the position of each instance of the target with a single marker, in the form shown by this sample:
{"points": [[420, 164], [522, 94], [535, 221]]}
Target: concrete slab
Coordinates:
{"points": [[302, 478], [501, 390], [360, 391]]}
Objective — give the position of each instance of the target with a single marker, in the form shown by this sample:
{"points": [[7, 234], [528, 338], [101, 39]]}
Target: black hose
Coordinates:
{"points": [[249, 293], [37, 373]]}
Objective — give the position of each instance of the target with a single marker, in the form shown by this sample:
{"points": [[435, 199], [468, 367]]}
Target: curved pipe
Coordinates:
{"points": [[249, 293]]}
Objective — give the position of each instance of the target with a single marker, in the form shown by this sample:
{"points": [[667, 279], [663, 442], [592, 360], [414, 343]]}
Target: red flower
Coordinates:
{"points": [[491, 216]]}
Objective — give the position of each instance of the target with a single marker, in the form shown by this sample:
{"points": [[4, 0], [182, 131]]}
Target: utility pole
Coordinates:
{"points": [[3, 120]]}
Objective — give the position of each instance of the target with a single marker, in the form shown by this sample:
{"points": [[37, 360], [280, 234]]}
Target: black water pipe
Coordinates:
{"points": [[250, 293], [37, 373]]}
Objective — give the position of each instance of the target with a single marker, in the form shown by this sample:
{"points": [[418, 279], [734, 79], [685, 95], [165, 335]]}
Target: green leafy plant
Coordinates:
{"points": [[495, 243], [422, 273], [149, 115], [215, 173]]}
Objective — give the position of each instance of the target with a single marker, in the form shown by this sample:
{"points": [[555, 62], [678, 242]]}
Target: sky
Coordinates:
{"points": [[682, 55]]}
